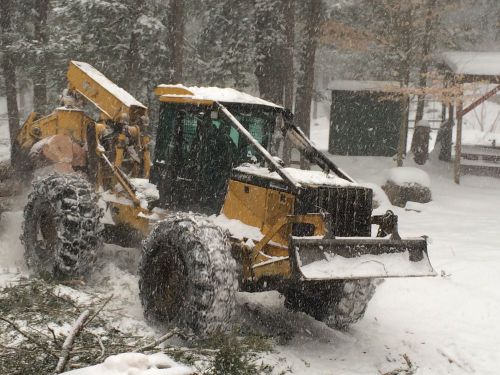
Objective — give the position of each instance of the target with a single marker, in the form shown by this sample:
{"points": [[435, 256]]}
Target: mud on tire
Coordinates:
{"points": [[187, 276], [338, 304], [61, 228]]}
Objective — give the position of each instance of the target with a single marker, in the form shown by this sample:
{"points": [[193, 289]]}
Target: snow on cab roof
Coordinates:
{"points": [[346, 85], [216, 94], [473, 63], [109, 86]]}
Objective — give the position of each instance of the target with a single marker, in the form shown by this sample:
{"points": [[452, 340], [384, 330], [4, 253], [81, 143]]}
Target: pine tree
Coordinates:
{"points": [[226, 45], [270, 44], [7, 45], [305, 81]]}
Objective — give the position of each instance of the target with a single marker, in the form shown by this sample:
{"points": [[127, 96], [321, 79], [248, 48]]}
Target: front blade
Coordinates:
{"points": [[361, 257]]}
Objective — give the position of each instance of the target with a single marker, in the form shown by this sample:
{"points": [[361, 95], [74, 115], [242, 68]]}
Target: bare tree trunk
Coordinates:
{"points": [[132, 57], [305, 82], [176, 38], [289, 12], [424, 66], [406, 29], [9, 69], [131, 63], [270, 48], [41, 38]]}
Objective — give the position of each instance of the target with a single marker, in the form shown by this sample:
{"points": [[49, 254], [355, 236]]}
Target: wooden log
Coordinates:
{"points": [[79, 156], [70, 339], [51, 150], [458, 143]]}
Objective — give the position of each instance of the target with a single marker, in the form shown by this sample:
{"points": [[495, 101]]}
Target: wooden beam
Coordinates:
{"points": [[403, 130], [479, 101], [458, 141]]}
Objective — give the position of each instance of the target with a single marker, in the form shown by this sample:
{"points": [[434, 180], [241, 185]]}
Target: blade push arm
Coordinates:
{"points": [[304, 145], [269, 158]]}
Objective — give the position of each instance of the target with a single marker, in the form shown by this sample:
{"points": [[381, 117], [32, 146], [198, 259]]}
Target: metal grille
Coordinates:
{"points": [[350, 208]]}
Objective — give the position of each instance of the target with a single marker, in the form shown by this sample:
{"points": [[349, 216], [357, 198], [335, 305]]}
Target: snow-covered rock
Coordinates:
{"points": [[408, 176], [405, 184]]}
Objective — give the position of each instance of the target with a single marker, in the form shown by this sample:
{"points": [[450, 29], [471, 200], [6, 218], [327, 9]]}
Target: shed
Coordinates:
{"points": [[463, 67], [365, 118]]}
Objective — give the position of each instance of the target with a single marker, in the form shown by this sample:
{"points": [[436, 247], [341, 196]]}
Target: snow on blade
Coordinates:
{"points": [[137, 364], [367, 265]]}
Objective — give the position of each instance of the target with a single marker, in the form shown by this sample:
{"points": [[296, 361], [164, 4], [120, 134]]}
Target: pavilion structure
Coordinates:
{"points": [[463, 68]]}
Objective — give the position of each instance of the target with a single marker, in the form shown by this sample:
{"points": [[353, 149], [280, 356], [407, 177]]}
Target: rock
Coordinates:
{"points": [[407, 185], [400, 195]]}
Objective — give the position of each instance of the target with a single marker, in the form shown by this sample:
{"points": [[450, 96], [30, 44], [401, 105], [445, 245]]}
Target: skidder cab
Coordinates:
{"points": [[217, 208]]}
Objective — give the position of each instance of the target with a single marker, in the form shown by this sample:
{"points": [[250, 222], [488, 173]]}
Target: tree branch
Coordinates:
{"points": [[70, 339], [29, 337]]}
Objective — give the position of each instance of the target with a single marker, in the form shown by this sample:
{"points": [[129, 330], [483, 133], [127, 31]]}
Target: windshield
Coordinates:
{"points": [[199, 139], [183, 130]]}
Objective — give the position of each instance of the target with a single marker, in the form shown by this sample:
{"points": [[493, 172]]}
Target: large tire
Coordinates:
{"points": [[61, 229], [187, 277], [337, 304]]}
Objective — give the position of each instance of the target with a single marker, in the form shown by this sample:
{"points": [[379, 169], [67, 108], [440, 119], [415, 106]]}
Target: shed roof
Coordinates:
{"points": [[350, 85], [472, 63]]}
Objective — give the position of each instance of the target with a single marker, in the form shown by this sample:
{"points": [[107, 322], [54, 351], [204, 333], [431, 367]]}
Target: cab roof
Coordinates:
{"points": [[207, 95]]}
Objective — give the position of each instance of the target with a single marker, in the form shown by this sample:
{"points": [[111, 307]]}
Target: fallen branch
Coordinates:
{"points": [[202, 351], [29, 337], [410, 370], [101, 345], [56, 342], [159, 340], [70, 339], [99, 310], [464, 366]]}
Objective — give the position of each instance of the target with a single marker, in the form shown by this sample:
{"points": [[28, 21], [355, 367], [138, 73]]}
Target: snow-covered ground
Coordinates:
{"points": [[448, 324], [136, 364]]}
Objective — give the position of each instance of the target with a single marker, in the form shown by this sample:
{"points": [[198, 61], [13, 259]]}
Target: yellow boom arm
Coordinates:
{"points": [[110, 99]]}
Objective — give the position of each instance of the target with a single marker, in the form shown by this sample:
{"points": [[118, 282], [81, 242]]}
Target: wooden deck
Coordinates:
{"points": [[480, 161]]}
